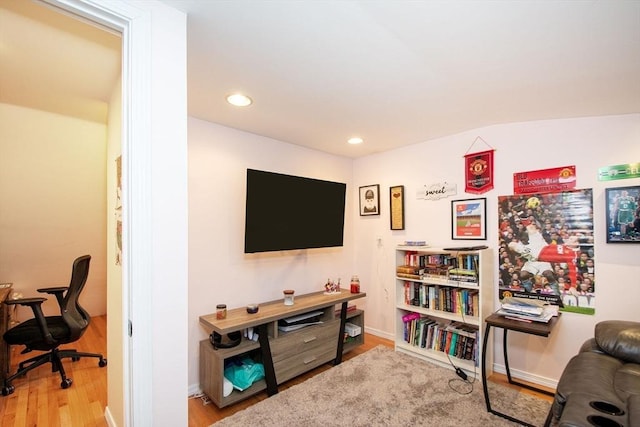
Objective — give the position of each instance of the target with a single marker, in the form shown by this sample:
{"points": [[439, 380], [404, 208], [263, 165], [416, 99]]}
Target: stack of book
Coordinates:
{"points": [[527, 310]]}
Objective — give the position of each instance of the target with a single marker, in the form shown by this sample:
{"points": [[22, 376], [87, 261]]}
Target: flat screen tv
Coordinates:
{"points": [[285, 212]]}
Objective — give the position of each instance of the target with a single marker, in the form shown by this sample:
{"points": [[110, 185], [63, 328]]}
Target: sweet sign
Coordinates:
{"points": [[437, 191]]}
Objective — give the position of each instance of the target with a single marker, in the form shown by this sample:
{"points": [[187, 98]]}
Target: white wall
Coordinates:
{"points": [[52, 187], [219, 271], [588, 143]]}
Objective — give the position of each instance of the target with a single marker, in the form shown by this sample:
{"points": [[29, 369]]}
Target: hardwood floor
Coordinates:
{"points": [[38, 399], [203, 415]]}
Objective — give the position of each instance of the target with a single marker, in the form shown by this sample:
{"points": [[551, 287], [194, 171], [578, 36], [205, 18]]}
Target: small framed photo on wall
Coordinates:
{"points": [[469, 219], [370, 200], [623, 214]]}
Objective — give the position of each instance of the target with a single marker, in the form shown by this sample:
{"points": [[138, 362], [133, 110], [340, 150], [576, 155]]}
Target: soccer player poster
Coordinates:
{"points": [[546, 248]]}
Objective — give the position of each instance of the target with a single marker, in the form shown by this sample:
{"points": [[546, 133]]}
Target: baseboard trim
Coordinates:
{"points": [[194, 390], [526, 376], [379, 333], [109, 418]]}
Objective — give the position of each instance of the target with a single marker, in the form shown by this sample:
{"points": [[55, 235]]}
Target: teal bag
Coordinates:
{"points": [[243, 373]]}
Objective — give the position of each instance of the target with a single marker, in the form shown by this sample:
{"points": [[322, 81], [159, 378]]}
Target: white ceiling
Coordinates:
{"points": [[56, 63], [393, 72]]}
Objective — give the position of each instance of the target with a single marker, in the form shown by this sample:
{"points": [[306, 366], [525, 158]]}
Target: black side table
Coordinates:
{"points": [[534, 328]]}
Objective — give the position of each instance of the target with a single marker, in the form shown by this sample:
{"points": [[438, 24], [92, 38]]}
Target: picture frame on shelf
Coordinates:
{"points": [[623, 214], [370, 200], [396, 207], [469, 219]]}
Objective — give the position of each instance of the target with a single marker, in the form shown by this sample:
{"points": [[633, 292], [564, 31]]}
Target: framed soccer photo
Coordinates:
{"points": [[370, 200], [623, 214], [469, 219]]}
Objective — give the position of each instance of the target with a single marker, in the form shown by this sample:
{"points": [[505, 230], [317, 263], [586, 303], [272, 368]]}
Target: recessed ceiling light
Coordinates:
{"points": [[355, 140], [239, 100]]}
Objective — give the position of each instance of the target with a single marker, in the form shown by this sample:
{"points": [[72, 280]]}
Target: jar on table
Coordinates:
{"points": [[355, 284], [221, 311], [288, 296]]}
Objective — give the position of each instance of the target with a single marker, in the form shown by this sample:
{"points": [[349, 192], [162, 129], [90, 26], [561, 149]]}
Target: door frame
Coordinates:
{"points": [[153, 138]]}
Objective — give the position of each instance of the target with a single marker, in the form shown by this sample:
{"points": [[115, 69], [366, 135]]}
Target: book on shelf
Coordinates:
{"points": [[409, 276], [409, 269], [350, 309], [421, 243], [456, 339]]}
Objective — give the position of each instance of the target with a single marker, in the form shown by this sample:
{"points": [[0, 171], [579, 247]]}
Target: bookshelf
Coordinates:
{"points": [[442, 297]]}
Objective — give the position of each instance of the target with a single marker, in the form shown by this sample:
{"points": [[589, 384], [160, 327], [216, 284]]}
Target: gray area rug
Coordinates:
{"points": [[384, 388]]}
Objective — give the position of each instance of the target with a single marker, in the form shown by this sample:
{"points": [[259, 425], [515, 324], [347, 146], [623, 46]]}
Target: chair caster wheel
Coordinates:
{"points": [[7, 390], [102, 363], [66, 383]]}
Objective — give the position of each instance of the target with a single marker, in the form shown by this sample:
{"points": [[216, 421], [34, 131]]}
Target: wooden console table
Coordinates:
{"points": [[540, 329], [283, 354]]}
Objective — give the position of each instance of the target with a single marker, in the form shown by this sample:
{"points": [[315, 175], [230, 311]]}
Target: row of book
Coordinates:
{"points": [[455, 339], [452, 300], [465, 261], [462, 268], [468, 277]]}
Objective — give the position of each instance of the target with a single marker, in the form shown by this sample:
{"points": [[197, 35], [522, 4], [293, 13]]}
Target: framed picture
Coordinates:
{"points": [[469, 219], [623, 214], [370, 200], [396, 207]]}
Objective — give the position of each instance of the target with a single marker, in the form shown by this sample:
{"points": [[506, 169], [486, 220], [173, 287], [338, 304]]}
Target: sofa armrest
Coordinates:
{"points": [[591, 345], [620, 339]]}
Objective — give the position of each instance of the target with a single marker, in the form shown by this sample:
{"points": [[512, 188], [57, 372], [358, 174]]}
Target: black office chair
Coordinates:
{"points": [[47, 333]]}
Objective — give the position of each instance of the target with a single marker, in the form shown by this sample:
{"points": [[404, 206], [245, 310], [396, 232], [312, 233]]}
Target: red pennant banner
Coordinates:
{"points": [[478, 172]]}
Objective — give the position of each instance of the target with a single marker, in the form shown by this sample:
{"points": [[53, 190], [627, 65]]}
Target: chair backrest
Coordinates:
{"points": [[73, 314]]}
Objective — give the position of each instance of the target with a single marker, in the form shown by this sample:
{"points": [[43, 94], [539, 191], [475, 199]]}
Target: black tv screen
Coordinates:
{"points": [[286, 212]]}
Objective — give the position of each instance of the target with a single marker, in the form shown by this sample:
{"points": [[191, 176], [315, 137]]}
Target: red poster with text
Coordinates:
{"points": [[478, 172], [545, 180]]}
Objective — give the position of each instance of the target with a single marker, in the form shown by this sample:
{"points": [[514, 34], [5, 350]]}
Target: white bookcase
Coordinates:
{"points": [[444, 295]]}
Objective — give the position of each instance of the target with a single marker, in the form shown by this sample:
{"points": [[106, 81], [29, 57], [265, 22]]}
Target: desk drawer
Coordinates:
{"points": [[301, 363], [311, 337], [300, 351]]}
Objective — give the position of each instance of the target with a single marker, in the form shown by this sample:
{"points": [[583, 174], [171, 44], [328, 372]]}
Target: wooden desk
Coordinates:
{"points": [[533, 328], [5, 359]]}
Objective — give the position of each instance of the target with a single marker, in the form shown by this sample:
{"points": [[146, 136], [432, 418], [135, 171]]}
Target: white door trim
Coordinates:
{"points": [[134, 24]]}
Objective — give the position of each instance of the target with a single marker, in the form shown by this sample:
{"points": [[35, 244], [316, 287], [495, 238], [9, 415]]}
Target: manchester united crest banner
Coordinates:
{"points": [[478, 172]]}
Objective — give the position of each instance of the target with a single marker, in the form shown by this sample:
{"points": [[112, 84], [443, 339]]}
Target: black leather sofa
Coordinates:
{"points": [[600, 386]]}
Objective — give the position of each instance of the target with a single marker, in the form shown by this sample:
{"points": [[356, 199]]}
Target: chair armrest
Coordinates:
{"points": [[36, 307], [58, 291], [25, 301], [53, 290]]}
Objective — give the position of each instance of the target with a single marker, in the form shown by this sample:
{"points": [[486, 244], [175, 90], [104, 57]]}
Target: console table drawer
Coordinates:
{"points": [[303, 340], [295, 365]]}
